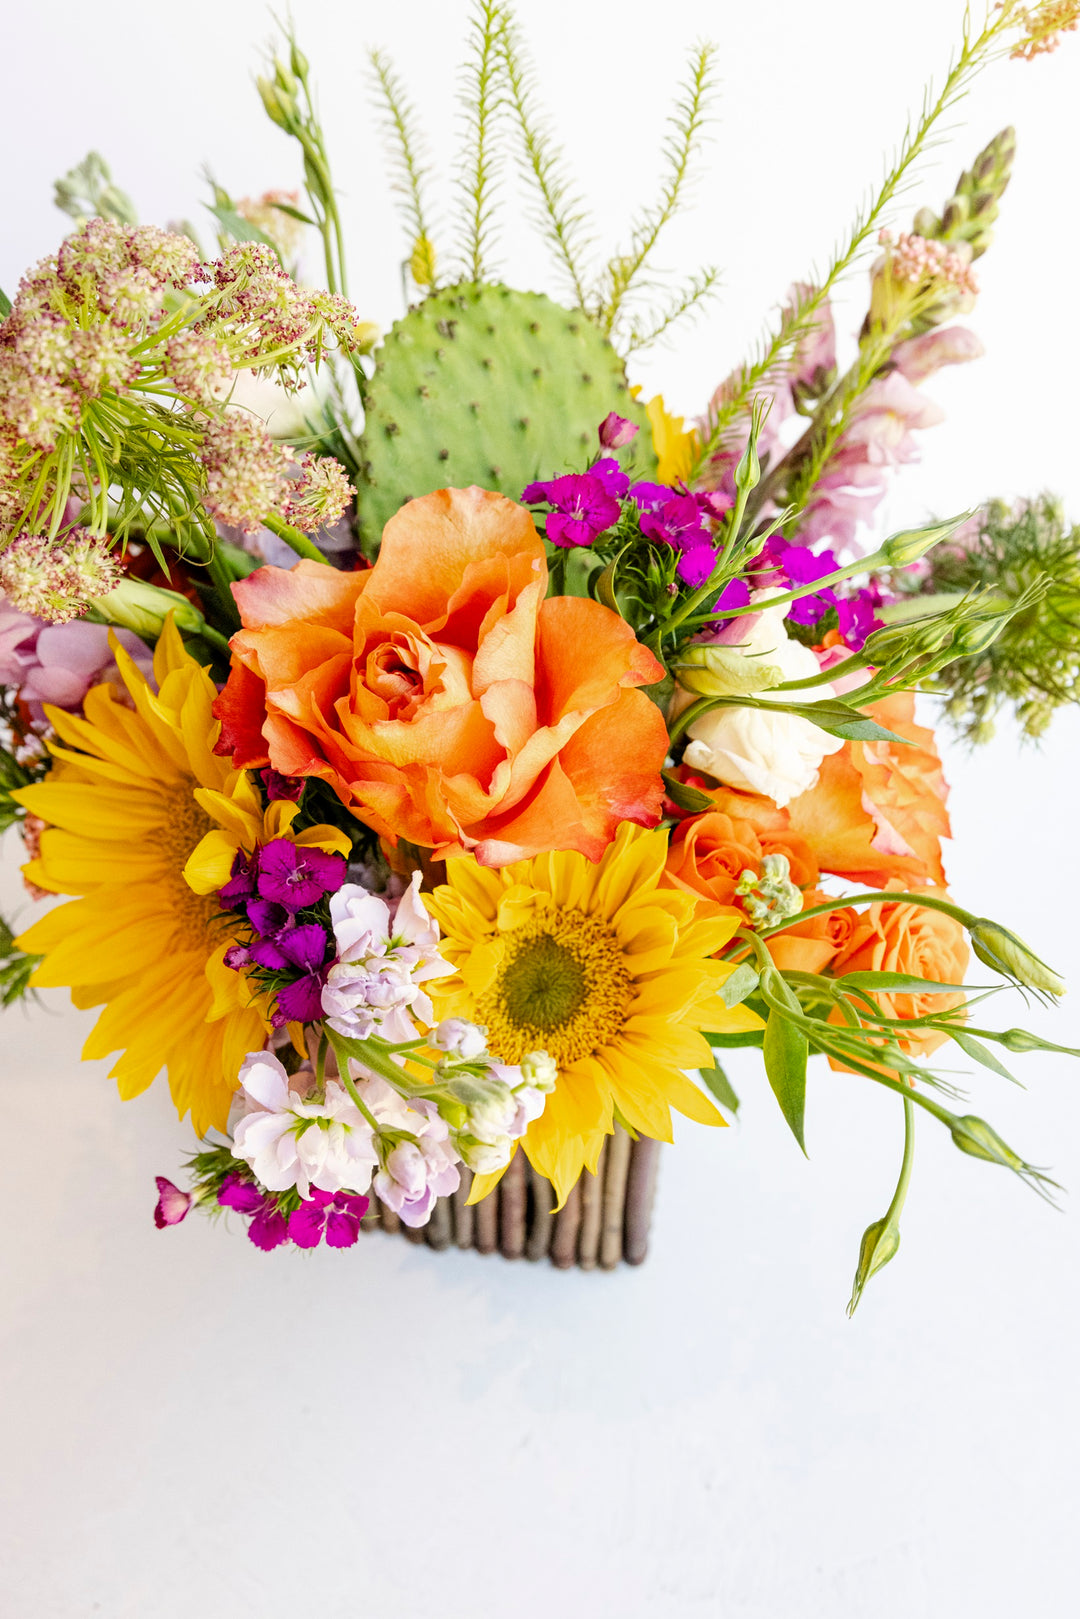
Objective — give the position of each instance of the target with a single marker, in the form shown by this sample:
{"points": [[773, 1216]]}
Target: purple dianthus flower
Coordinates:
{"points": [[581, 508], [335, 1215], [296, 877], [269, 1227]]}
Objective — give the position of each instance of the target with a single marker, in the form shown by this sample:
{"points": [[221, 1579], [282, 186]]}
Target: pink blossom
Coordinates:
{"points": [[815, 353], [58, 663], [920, 357]]}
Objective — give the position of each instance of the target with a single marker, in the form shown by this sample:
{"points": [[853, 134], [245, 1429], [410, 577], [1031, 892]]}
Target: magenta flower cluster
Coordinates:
{"points": [[270, 889]]}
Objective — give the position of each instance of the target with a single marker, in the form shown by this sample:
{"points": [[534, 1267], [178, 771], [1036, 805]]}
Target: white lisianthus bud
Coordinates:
{"points": [[779, 754]]}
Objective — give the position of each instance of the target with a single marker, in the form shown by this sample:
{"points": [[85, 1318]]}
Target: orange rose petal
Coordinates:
{"points": [[310, 592]]}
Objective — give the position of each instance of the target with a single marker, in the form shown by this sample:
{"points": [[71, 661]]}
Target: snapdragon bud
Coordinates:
{"points": [[901, 550], [1004, 953]]}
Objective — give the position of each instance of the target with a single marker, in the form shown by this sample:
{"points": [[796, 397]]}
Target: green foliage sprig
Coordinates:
{"points": [[1027, 559]]}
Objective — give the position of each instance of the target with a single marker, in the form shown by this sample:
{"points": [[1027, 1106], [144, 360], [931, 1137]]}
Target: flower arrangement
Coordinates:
{"points": [[436, 795]]}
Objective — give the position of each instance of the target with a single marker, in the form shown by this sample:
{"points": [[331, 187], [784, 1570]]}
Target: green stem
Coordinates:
{"points": [[293, 538], [875, 896], [893, 1212]]}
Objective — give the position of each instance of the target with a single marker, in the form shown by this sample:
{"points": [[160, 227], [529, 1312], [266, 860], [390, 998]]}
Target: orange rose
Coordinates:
{"points": [[878, 810], [896, 936], [708, 854], [812, 946], [442, 697]]}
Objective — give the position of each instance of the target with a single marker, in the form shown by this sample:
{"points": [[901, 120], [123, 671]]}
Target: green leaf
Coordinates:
{"points": [[840, 719], [980, 1053], [743, 982], [715, 1080], [688, 798], [5, 305], [786, 1050], [605, 585], [895, 981], [239, 228], [734, 1042], [295, 213]]}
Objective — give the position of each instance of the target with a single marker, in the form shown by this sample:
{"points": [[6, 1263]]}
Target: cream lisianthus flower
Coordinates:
{"points": [[779, 754]]}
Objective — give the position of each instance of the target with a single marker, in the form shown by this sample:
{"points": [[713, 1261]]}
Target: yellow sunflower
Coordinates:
{"points": [[603, 968], [134, 792]]}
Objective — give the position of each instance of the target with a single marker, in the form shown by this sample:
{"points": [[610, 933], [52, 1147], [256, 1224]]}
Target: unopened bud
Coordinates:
{"points": [[901, 550], [615, 431], [879, 1244], [135, 605], [460, 1038], [279, 109], [298, 61], [977, 635], [484, 1157], [974, 1136], [1004, 953], [540, 1070], [711, 670]]}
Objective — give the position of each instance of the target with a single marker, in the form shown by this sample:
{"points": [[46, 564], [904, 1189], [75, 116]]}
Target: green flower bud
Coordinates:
{"points": [[278, 109], [979, 1139], [880, 1242], [143, 608], [724, 671], [901, 550], [298, 61], [977, 635], [1004, 953]]}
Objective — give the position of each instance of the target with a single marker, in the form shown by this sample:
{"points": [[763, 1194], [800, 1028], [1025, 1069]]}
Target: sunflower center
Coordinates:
{"points": [[563, 986], [184, 824]]}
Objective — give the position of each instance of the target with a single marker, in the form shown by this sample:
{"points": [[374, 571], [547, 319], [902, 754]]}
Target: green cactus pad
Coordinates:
{"points": [[484, 385]]}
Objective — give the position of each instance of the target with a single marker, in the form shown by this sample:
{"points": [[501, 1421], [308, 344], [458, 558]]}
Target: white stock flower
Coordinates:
{"points": [[778, 755], [415, 1173], [374, 986], [292, 1142]]}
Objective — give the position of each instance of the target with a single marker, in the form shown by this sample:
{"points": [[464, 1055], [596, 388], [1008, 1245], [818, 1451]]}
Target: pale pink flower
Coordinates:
{"points": [[416, 1172], [290, 1141], [920, 357]]}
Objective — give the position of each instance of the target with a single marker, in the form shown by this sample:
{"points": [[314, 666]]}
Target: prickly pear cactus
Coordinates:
{"points": [[481, 384]]}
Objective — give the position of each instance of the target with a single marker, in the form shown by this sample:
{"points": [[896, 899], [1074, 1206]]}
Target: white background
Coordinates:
{"points": [[193, 1428]]}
